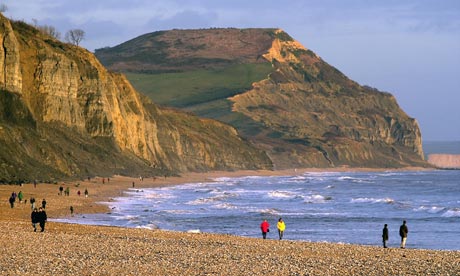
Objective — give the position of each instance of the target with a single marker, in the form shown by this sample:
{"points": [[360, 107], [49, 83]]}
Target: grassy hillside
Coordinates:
{"points": [[302, 112], [195, 87]]}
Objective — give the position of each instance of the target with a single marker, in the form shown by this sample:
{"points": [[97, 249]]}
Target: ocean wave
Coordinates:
{"points": [[227, 206], [283, 194], [176, 211], [372, 200], [316, 199], [452, 213], [155, 195], [430, 209], [267, 211], [125, 217], [148, 226]]}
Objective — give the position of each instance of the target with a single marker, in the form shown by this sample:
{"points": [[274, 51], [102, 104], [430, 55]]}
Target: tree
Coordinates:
{"points": [[3, 8], [75, 36], [49, 30]]}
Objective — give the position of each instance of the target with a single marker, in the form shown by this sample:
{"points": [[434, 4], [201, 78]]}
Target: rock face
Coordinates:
{"points": [[445, 161], [62, 114], [305, 113]]}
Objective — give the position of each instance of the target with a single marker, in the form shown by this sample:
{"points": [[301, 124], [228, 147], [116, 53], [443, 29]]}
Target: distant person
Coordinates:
{"points": [[32, 202], [71, 210], [133, 184], [385, 235], [34, 218], [61, 189], [44, 204], [403, 230], [78, 193], [12, 200], [281, 227], [42, 219], [67, 191], [86, 192], [20, 196], [265, 228]]}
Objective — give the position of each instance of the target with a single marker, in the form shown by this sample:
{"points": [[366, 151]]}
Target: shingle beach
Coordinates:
{"points": [[71, 249]]}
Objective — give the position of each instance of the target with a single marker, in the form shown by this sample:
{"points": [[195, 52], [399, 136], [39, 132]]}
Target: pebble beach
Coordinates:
{"points": [[71, 249]]}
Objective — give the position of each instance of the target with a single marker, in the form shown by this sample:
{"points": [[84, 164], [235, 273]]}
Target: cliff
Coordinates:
{"points": [[62, 114], [302, 112], [445, 161]]}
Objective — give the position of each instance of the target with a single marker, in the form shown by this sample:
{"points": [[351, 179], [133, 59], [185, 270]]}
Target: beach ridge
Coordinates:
{"points": [[72, 249]]}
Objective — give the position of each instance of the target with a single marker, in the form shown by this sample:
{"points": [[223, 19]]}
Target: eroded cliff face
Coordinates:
{"points": [[323, 118], [445, 161], [305, 113], [79, 119]]}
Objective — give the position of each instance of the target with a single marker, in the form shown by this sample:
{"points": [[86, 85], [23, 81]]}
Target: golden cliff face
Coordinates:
{"points": [[324, 118], [84, 115]]}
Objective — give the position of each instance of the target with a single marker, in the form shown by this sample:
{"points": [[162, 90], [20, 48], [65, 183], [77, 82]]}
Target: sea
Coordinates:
{"points": [[333, 207]]}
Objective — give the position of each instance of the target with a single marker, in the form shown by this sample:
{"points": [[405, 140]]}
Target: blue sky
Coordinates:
{"points": [[408, 48]]}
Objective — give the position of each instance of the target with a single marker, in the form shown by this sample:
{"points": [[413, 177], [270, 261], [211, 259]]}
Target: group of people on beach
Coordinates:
{"points": [[38, 216], [281, 226], [265, 228], [403, 230]]}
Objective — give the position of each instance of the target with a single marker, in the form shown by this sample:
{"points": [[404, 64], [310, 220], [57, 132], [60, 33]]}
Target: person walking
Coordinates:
{"points": [[403, 230], [86, 192], [32, 202], [44, 204], [71, 211], [281, 227], [34, 219], [265, 228], [12, 200], [42, 219], [20, 196], [385, 235]]}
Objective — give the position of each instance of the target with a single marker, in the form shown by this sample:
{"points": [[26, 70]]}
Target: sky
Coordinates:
{"points": [[410, 48]]}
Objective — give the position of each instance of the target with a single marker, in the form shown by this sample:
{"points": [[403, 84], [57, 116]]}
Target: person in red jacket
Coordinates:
{"points": [[265, 227]]}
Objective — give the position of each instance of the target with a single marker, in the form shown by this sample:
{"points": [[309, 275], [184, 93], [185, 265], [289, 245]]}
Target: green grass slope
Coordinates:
{"points": [[192, 88]]}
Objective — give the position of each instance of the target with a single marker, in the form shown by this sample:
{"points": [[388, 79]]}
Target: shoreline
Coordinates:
{"points": [[75, 249], [103, 189]]}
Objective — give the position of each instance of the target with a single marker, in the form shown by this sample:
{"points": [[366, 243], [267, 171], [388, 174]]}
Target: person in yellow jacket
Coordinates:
{"points": [[281, 227]]}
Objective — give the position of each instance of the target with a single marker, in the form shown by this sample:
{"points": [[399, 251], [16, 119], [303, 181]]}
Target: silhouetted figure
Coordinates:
{"points": [[34, 218], [42, 218], [44, 204], [403, 230], [71, 210], [385, 235], [12, 200], [32, 202]]}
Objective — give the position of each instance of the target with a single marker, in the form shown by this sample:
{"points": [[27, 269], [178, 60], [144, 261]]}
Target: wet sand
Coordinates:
{"points": [[70, 249]]}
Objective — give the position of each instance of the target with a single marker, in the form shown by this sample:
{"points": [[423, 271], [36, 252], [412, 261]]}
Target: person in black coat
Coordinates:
{"points": [[34, 218], [403, 230], [385, 235], [42, 218]]}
